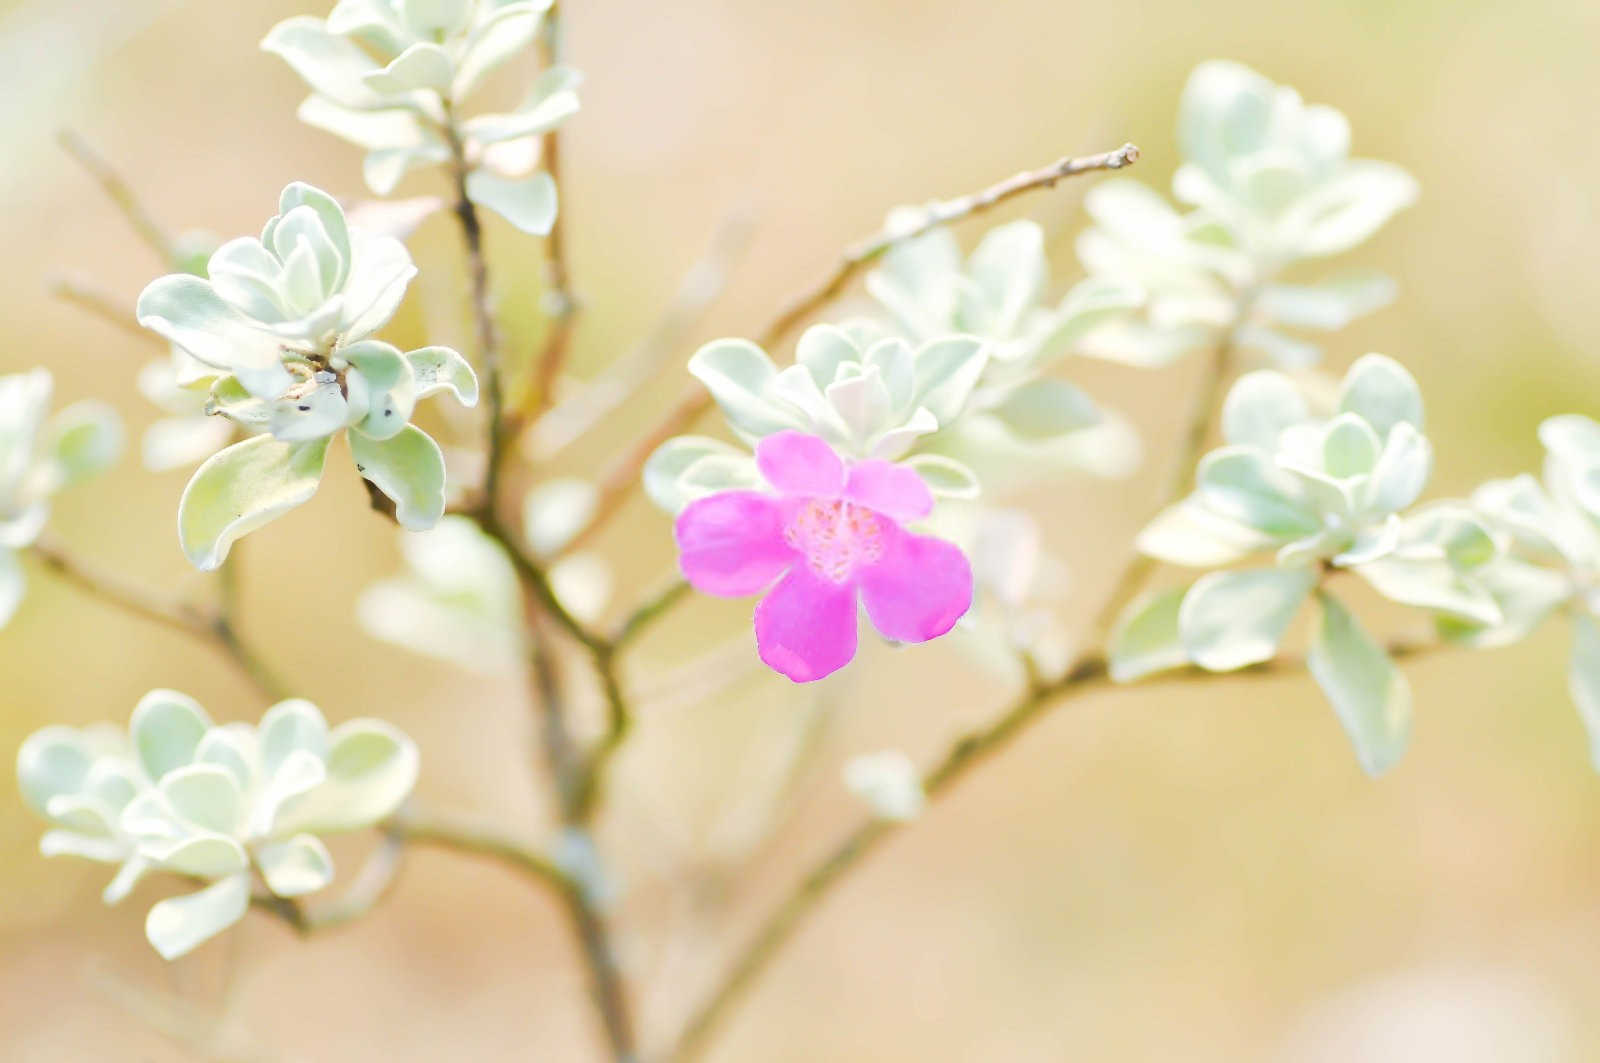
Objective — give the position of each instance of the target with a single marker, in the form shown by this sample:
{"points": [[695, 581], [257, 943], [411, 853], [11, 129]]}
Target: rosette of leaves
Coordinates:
{"points": [[222, 804], [1552, 561], [1327, 495], [42, 453], [1270, 184], [287, 319], [1018, 419], [391, 76], [868, 398]]}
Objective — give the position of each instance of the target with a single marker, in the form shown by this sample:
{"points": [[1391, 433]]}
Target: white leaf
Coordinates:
{"points": [[240, 489], [177, 925], [528, 203], [1369, 694], [1146, 638], [1230, 620]]}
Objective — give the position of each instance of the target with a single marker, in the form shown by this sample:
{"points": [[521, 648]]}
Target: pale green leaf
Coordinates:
{"points": [[409, 469], [206, 795], [670, 460], [1045, 408], [1259, 406], [945, 477], [295, 867], [240, 489], [166, 728], [947, 370], [1146, 638], [528, 203], [177, 925], [422, 66], [1369, 694], [1380, 390], [1583, 679], [372, 767], [1241, 484], [1230, 620], [441, 369]]}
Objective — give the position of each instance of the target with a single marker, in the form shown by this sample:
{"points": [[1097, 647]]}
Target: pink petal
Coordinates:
{"points": [[732, 543], [798, 464], [893, 490], [920, 588], [806, 628]]}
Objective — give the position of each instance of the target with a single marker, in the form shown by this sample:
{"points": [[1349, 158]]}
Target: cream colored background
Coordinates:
{"points": [[1179, 873]]}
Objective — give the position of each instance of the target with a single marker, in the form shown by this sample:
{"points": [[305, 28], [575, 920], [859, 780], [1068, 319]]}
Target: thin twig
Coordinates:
{"points": [[469, 834], [1087, 673], [575, 785], [1198, 426], [619, 479], [860, 255], [482, 312], [121, 193], [367, 890], [648, 612], [97, 303], [206, 625], [561, 305], [1088, 676], [569, 421]]}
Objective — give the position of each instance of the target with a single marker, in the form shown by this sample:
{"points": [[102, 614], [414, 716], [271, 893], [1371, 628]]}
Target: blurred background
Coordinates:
{"points": [[1186, 871]]}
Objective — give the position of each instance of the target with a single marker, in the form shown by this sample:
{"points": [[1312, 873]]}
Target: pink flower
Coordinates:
{"points": [[827, 532]]}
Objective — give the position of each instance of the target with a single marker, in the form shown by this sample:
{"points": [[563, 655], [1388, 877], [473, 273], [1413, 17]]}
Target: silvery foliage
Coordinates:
{"points": [[868, 396], [391, 76], [1270, 184], [41, 453], [457, 599], [1020, 421], [286, 321], [1326, 493], [889, 784], [180, 386], [1553, 559], [217, 803]]}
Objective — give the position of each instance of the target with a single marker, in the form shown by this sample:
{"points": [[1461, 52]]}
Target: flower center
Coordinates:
{"points": [[835, 537]]}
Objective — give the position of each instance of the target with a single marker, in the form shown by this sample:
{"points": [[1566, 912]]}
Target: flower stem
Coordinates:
{"points": [[1089, 675], [620, 478]]}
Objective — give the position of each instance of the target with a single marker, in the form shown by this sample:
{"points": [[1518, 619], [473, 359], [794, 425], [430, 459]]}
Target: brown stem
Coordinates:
{"points": [[622, 475], [574, 778], [1198, 426], [561, 304], [1089, 675], [96, 303], [209, 626], [120, 193], [566, 423], [483, 313]]}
